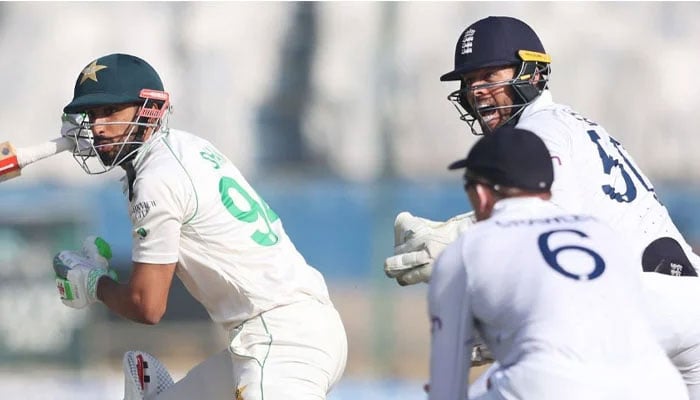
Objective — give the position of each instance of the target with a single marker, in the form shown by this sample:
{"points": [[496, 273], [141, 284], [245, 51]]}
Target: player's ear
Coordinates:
{"points": [[485, 200]]}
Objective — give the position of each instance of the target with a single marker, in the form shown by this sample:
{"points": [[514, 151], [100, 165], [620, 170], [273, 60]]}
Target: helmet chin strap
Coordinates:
{"points": [[127, 163], [129, 149], [130, 177], [132, 148]]}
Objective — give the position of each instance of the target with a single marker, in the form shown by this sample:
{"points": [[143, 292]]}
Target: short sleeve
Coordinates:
{"points": [[157, 214]]}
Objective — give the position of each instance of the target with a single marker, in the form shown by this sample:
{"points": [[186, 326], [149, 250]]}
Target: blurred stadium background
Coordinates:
{"points": [[336, 114]]}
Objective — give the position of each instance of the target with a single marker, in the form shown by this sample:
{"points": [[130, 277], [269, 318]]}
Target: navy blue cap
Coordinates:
{"points": [[510, 157], [112, 79], [666, 256], [493, 42]]}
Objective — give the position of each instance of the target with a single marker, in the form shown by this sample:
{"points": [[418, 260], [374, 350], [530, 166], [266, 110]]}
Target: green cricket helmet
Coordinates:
{"points": [[113, 80]]}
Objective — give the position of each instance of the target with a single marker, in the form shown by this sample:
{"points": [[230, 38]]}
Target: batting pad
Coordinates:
{"points": [[144, 376]]}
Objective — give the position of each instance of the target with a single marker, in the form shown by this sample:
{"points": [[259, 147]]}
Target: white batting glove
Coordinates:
{"points": [[71, 128], [417, 244], [97, 249], [77, 273]]}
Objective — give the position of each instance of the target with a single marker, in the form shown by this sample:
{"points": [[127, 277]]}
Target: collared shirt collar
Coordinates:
{"points": [[542, 101], [525, 206], [156, 137]]}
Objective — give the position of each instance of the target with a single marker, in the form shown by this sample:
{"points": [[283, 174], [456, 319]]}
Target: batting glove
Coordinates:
{"points": [[97, 249], [417, 244], [77, 273], [71, 127]]}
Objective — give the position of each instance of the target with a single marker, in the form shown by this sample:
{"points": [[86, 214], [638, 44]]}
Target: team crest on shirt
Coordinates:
{"points": [[141, 233]]}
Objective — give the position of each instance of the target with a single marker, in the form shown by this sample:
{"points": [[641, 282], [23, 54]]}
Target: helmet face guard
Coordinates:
{"points": [[94, 161], [526, 85]]}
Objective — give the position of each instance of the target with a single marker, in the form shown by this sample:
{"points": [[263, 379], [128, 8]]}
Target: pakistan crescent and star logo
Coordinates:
{"points": [[90, 72]]}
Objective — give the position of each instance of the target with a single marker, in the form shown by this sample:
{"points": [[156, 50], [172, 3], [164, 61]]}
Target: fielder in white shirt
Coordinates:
{"points": [[556, 296], [195, 216]]}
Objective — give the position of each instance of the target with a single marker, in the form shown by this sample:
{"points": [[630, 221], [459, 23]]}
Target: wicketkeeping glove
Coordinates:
{"points": [[77, 273], [417, 244]]}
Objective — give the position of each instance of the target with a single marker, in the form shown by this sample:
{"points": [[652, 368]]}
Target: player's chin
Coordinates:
{"points": [[490, 125], [106, 157], [497, 122]]}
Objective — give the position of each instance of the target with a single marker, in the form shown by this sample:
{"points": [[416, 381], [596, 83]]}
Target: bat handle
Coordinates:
{"points": [[28, 155], [9, 165]]}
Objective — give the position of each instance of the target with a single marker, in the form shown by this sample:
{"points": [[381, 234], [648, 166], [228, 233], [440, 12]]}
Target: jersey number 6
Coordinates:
{"points": [[550, 255]]}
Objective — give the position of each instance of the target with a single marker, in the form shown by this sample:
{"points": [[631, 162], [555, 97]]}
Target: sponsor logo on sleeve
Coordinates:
{"points": [[140, 210]]}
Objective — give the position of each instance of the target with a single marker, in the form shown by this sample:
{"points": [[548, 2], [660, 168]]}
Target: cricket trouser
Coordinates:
{"points": [[297, 351], [687, 360], [293, 352]]}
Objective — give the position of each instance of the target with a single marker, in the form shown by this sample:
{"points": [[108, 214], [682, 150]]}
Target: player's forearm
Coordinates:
{"points": [[128, 303]]}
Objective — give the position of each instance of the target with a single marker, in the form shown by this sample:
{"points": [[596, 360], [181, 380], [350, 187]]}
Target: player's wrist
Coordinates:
{"points": [[103, 281]]}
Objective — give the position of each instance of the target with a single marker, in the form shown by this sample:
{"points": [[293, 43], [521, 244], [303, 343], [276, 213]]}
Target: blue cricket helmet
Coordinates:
{"points": [[500, 42], [494, 42]]}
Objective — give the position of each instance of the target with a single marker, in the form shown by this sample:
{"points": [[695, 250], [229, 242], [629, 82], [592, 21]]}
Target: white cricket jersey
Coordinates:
{"points": [[594, 174], [558, 300], [670, 303], [192, 206]]}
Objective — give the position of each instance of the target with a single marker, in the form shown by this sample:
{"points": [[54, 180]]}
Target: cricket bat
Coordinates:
{"points": [[13, 160]]}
